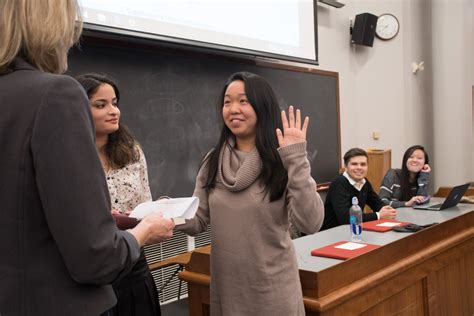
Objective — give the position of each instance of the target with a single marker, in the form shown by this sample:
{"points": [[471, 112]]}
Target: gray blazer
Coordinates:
{"points": [[59, 244]]}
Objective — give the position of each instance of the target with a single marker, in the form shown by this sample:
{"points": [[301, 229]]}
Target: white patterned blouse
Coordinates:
{"points": [[129, 185]]}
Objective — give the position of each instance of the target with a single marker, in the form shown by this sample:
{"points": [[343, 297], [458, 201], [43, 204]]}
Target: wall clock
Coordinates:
{"points": [[387, 26]]}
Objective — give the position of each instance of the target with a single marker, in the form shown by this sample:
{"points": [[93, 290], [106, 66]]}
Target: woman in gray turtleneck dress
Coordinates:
{"points": [[250, 185]]}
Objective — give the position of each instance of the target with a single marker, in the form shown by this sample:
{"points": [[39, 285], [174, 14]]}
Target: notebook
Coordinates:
{"points": [[451, 200], [124, 222], [382, 225], [343, 250]]}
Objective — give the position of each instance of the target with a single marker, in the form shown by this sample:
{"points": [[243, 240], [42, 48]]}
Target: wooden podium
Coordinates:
{"points": [[380, 161], [427, 273]]}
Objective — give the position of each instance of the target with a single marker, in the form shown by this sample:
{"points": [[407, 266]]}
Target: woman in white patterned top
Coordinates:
{"points": [[128, 186], [127, 179]]}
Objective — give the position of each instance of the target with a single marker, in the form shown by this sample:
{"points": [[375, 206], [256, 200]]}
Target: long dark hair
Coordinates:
{"points": [[265, 104], [404, 173], [121, 147]]}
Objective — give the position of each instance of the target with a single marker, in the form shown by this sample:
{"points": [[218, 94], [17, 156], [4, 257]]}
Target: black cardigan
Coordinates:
{"points": [[339, 200]]}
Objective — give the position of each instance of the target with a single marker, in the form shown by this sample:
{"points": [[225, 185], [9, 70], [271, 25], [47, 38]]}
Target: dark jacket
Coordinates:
{"points": [[339, 200], [59, 243]]}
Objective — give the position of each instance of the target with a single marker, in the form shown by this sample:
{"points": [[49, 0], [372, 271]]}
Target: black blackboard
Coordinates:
{"points": [[168, 100]]}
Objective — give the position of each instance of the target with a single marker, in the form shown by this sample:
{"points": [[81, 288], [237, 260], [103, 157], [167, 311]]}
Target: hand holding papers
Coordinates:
{"points": [[177, 209]]}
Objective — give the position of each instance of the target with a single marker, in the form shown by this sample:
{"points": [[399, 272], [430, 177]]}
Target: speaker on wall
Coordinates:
{"points": [[363, 31]]}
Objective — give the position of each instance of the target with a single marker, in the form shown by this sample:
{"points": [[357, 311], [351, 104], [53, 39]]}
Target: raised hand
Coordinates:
{"points": [[292, 131]]}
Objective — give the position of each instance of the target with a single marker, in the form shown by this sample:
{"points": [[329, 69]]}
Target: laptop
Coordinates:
{"points": [[451, 200]]}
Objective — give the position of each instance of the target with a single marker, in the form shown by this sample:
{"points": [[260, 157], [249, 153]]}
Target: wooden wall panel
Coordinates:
{"points": [[453, 288], [407, 302]]}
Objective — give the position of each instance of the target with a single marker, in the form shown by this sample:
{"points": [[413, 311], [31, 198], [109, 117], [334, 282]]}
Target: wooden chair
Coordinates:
{"points": [[179, 260]]}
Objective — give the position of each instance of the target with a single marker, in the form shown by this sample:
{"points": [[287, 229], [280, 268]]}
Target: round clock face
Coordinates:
{"points": [[387, 26]]}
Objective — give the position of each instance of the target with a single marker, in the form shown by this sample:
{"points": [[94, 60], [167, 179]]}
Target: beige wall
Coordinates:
{"points": [[452, 86], [375, 82], [378, 91], [472, 80]]}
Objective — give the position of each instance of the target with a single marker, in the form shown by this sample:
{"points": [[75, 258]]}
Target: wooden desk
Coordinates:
{"points": [[426, 273]]}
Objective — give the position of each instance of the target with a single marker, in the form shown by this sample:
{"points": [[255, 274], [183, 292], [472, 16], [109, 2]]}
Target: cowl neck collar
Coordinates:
{"points": [[237, 169]]}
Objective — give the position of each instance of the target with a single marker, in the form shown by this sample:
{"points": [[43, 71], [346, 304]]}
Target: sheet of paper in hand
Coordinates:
{"points": [[178, 209]]}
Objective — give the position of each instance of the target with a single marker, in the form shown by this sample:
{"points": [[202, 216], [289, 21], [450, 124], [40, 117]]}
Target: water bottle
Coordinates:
{"points": [[355, 220]]}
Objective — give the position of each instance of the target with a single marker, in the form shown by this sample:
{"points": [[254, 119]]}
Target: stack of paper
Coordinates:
{"points": [[178, 209]]}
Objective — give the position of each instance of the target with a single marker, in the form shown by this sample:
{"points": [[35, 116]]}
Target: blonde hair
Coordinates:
{"points": [[39, 31]]}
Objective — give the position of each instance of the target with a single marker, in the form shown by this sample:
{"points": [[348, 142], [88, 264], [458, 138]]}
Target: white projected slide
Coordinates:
{"points": [[283, 27]]}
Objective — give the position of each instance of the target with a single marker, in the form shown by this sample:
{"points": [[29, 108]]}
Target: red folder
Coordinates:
{"points": [[374, 225], [331, 251]]}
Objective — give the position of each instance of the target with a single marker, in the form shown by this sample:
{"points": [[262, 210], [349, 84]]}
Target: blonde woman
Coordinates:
{"points": [[60, 244]]}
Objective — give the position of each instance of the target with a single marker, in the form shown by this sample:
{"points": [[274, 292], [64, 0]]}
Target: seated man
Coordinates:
{"points": [[353, 183]]}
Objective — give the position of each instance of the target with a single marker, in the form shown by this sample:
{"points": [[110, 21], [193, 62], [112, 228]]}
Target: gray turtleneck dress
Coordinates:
{"points": [[254, 270]]}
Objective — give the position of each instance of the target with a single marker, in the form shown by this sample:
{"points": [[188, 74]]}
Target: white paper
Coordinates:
{"points": [[170, 208], [388, 224], [350, 246]]}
